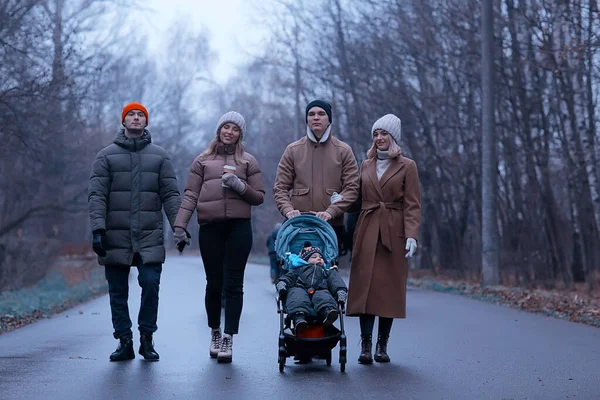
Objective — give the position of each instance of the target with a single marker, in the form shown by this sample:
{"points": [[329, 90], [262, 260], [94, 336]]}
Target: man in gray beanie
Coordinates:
{"points": [[320, 170]]}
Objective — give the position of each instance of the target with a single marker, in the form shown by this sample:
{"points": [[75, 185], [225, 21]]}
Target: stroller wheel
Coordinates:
{"points": [[281, 363], [328, 359], [342, 363]]}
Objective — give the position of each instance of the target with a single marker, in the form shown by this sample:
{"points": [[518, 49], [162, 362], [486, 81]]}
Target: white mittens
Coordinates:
{"points": [[232, 181], [336, 197], [411, 246]]}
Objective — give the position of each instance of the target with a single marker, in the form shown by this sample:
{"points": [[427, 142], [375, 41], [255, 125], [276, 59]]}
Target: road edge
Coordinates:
{"points": [[69, 283]]}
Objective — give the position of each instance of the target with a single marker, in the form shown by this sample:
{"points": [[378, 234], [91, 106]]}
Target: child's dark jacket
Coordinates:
{"points": [[325, 282]]}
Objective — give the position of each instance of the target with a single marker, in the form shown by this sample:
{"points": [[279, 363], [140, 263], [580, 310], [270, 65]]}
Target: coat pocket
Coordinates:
{"points": [[300, 199], [300, 191]]}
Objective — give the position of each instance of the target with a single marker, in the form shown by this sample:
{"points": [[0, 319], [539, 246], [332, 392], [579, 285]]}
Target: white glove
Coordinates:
{"points": [[411, 246], [281, 287], [336, 197], [342, 296], [232, 181]]}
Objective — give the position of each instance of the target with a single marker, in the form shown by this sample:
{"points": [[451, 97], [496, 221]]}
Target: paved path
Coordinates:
{"points": [[449, 347]]}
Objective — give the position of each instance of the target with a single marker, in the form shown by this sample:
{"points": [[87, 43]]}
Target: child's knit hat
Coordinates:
{"points": [[309, 250]]}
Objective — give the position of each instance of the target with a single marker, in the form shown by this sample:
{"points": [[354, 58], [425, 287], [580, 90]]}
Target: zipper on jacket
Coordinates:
{"points": [[312, 279]]}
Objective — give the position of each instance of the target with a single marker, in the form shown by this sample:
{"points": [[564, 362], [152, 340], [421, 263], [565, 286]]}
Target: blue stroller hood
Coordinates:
{"points": [[306, 227]]}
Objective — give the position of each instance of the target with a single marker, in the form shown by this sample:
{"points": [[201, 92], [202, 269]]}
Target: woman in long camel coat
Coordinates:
{"points": [[388, 224]]}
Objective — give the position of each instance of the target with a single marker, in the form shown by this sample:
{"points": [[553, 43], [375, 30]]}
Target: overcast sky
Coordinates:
{"points": [[231, 24]]}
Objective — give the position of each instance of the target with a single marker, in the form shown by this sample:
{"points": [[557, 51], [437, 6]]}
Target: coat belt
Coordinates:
{"points": [[385, 219]]}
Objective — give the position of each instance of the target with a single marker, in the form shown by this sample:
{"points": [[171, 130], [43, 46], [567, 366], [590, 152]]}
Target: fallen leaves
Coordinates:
{"points": [[556, 303], [10, 322]]}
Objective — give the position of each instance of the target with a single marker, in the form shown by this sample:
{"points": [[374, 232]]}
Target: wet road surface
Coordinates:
{"points": [[449, 347]]}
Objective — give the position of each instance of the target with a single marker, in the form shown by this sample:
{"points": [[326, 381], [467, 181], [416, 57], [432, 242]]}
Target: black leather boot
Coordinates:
{"points": [[365, 353], [124, 350], [381, 354], [147, 347]]}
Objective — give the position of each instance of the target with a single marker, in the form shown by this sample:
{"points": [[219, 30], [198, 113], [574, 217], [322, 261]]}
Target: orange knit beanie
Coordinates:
{"points": [[134, 106]]}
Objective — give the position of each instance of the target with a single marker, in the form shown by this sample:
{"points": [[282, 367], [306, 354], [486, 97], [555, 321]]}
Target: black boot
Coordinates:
{"points": [[124, 350], [299, 322], [147, 347], [365, 353], [381, 354]]}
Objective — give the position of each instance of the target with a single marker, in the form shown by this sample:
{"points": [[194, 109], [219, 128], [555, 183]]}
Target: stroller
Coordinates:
{"points": [[290, 239]]}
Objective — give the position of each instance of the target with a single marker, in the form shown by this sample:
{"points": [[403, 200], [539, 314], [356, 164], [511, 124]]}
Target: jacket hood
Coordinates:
{"points": [[311, 136], [132, 144]]}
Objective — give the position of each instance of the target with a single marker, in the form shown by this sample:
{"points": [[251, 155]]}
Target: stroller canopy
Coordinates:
{"points": [[306, 227]]}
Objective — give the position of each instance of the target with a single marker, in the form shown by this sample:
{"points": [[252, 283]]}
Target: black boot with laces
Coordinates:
{"points": [[366, 357], [124, 350], [381, 354], [147, 347]]}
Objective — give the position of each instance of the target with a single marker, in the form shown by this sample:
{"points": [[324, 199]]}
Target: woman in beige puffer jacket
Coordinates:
{"points": [[223, 183]]}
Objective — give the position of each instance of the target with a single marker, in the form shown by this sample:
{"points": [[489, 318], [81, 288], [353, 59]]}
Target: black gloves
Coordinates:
{"points": [[99, 243]]}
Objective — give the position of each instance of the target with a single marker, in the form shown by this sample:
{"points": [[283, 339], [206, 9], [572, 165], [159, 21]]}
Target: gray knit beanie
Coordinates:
{"points": [[391, 124], [233, 117]]}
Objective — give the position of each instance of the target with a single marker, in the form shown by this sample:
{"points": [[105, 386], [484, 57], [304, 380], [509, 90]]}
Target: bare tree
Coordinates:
{"points": [[423, 61], [490, 238]]}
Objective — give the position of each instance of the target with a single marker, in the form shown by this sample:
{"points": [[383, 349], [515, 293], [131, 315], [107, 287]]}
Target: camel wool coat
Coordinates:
{"points": [[390, 212]]}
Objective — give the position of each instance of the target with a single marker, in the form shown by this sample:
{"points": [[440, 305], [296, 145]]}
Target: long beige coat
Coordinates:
{"points": [[390, 213]]}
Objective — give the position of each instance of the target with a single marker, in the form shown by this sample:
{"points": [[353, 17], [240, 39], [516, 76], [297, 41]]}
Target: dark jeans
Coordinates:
{"points": [[225, 247], [118, 290], [367, 322]]}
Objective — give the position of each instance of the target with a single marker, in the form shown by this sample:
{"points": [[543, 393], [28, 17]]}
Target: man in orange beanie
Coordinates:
{"points": [[135, 119], [132, 180]]}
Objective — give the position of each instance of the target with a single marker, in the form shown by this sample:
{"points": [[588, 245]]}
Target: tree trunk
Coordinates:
{"points": [[490, 237]]}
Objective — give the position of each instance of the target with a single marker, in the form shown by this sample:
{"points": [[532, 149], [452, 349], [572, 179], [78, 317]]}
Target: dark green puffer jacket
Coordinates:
{"points": [[130, 182]]}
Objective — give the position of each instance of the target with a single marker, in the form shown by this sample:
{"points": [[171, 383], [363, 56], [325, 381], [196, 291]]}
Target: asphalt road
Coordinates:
{"points": [[449, 347]]}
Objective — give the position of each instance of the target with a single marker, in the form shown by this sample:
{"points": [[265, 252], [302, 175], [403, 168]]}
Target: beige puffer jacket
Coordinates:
{"points": [[213, 202]]}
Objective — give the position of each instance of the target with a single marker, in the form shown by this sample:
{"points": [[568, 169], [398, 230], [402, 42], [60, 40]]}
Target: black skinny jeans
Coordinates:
{"points": [[225, 247]]}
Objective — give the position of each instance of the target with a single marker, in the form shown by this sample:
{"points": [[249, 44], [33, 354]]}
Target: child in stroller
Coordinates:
{"points": [[310, 270], [309, 287]]}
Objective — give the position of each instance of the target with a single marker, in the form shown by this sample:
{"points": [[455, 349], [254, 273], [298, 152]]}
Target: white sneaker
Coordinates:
{"points": [[224, 355], [215, 342]]}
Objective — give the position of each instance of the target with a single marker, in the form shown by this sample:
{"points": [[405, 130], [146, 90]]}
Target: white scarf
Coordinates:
{"points": [[311, 136], [383, 162]]}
